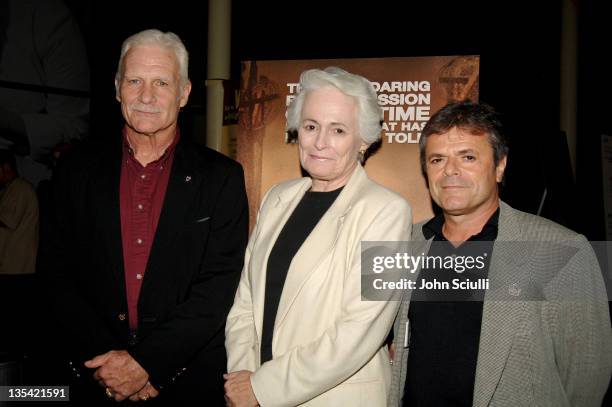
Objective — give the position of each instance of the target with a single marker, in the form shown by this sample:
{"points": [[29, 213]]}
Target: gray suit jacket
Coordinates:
{"points": [[545, 337]]}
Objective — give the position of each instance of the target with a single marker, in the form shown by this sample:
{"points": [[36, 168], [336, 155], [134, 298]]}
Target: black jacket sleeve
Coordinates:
{"points": [[80, 329]]}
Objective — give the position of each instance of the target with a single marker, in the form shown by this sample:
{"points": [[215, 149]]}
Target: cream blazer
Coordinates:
{"points": [[328, 345]]}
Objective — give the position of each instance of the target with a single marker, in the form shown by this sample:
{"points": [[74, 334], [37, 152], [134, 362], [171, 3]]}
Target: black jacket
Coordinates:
{"points": [[191, 276]]}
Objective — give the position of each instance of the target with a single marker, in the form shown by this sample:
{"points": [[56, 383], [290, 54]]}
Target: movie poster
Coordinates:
{"points": [[410, 91]]}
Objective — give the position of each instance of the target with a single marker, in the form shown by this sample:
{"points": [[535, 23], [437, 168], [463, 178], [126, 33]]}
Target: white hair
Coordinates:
{"points": [[369, 115], [167, 40]]}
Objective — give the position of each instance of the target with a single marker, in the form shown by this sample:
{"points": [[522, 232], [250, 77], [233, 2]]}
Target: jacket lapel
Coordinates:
{"points": [[183, 186], [276, 217], [501, 316], [418, 244], [318, 244]]}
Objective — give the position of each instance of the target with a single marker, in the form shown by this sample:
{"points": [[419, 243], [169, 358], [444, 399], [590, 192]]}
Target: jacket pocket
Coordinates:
{"points": [[516, 385]]}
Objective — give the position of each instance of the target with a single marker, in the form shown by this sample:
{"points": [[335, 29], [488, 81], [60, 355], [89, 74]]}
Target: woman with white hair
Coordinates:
{"points": [[299, 332]]}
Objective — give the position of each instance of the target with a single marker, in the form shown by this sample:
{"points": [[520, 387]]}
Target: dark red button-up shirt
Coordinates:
{"points": [[142, 191]]}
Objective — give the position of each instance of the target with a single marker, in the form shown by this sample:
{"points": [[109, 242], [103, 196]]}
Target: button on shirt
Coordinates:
{"points": [[142, 192]]}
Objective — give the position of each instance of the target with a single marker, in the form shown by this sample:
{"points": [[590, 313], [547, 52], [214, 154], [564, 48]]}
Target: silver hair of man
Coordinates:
{"points": [[167, 40], [369, 113]]}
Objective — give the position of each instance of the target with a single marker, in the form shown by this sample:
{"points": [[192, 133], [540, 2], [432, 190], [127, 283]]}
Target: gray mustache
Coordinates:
{"points": [[144, 108]]}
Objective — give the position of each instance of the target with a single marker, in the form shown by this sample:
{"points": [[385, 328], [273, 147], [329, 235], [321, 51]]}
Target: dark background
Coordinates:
{"points": [[518, 41]]}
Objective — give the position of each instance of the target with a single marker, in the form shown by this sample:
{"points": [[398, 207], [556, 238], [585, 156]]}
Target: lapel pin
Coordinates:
{"points": [[187, 178], [514, 290]]}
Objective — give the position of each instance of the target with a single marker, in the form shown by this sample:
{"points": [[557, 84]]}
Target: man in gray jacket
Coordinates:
{"points": [[525, 322]]}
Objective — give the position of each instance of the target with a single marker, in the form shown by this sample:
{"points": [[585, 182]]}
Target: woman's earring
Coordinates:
{"points": [[361, 156]]}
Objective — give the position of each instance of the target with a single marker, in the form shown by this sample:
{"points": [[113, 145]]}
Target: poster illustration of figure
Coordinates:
{"points": [[259, 104], [460, 79]]}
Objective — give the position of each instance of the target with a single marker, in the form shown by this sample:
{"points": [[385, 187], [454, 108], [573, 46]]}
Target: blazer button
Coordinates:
{"points": [[121, 317]]}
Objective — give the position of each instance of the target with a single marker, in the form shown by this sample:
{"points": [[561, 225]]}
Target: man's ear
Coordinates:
{"points": [[499, 170], [117, 94], [185, 94]]}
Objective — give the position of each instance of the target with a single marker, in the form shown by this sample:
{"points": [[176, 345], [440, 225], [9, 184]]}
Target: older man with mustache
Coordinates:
{"points": [[146, 245]]}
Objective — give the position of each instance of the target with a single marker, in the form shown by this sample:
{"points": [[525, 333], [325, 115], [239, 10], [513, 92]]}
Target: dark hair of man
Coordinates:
{"points": [[470, 117]]}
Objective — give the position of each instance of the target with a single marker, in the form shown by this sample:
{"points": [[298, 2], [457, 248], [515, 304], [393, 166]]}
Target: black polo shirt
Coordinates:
{"points": [[445, 324]]}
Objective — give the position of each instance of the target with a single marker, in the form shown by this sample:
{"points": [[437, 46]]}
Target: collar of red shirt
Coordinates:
{"points": [[129, 152]]}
